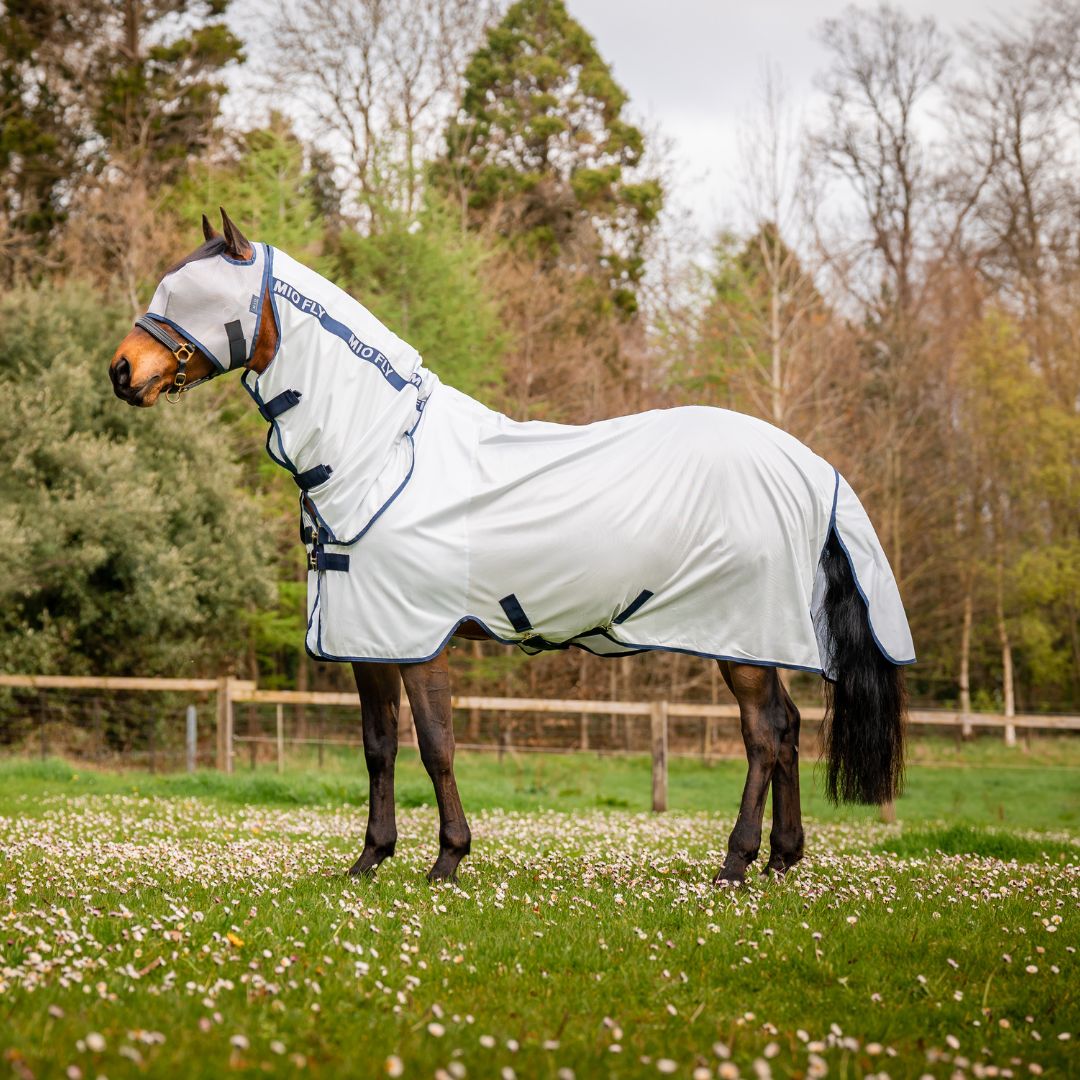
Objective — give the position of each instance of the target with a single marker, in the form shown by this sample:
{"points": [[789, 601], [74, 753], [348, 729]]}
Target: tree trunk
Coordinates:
{"points": [[966, 730], [1006, 651]]}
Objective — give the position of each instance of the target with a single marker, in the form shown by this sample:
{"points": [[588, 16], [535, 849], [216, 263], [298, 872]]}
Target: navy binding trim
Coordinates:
{"points": [[278, 404], [313, 477], [237, 345], [639, 601], [515, 613]]}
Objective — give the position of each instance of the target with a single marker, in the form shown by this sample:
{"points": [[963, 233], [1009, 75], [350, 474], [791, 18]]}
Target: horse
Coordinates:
{"points": [[767, 560]]}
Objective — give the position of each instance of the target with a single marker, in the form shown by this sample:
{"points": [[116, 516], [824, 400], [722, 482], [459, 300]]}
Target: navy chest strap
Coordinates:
{"points": [[313, 477], [279, 404]]}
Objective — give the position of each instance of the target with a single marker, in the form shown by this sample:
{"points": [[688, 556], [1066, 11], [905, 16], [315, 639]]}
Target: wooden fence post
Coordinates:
{"points": [[225, 723], [280, 738], [192, 738], [658, 724]]}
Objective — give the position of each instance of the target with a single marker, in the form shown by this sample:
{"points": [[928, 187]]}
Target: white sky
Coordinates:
{"points": [[693, 68]]}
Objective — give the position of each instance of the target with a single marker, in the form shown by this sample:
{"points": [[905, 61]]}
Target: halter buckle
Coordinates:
{"points": [[184, 352]]}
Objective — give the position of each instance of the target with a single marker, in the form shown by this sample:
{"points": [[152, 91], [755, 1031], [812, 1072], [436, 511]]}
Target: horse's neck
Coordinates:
{"points": [[266, 336]]}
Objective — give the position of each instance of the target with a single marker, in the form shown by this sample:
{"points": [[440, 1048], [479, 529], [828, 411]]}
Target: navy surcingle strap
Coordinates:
{"points": [[279, 404], [329, 560], [515, 613], [318, 558], [642, 598], [312, 477], [237, 344]]}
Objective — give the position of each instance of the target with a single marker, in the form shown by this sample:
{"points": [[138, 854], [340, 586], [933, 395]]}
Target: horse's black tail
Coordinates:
{"points": [[863, 733]]}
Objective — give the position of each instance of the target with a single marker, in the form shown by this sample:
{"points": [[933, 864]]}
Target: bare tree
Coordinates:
{"points": [[780, 332], [378, 79], [885, 70]]}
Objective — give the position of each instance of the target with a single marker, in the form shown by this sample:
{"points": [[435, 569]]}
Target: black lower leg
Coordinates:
{"points": [[380, 694], [755, 689], [786, 838], [428, 687]]}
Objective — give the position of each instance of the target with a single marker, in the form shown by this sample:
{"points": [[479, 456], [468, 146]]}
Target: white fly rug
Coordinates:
{"points": [[691, 529]]}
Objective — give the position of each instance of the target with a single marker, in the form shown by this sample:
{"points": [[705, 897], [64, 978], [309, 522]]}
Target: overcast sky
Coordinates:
{"points": [[694, 67]]}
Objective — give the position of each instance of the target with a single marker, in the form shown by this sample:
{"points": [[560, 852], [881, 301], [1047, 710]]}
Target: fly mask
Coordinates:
{"points": [[214, 304]]}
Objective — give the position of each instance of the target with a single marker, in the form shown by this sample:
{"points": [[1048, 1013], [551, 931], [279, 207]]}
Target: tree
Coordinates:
{"points": [[41, 137], [264, 178], [762, 330], [157, 91], [541, 145], [377, 78], [129, 547], [885, 68], [89, 85], [426, 279], [1021, 453]]}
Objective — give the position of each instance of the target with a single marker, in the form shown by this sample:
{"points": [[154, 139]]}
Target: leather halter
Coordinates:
{"points": [[182, 350]]}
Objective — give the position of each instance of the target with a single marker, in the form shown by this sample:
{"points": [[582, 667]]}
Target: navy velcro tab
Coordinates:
{"points": [[642, 598], [515, 613], [312, 477], [237, 344], [279, 404]]}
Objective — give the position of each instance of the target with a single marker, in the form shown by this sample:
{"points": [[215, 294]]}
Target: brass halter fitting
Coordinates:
{"points": [[183, 353]]}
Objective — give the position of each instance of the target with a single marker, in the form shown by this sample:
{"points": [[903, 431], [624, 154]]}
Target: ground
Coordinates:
{"points": [[201, 925]]}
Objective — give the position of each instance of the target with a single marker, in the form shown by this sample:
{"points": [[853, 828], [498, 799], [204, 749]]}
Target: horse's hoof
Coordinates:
{"points": [[369, 861], [445, 868], [781, 864], [730, 878]]}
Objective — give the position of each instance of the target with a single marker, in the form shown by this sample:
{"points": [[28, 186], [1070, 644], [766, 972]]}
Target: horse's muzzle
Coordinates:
{"points": [[120, 374]]}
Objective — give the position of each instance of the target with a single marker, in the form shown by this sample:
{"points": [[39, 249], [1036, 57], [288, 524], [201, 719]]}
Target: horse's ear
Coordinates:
{"points": [[208, 230], [235, 243]]}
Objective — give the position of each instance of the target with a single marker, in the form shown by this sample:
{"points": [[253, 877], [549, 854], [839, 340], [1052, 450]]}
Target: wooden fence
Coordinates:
{"points": [[228, 692]]}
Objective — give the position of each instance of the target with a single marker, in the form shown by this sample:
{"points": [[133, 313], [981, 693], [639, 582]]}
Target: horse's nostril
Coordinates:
{"points": [[122, 372]]}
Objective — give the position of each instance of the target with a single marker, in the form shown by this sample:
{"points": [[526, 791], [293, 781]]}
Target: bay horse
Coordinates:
{"points": [[770, 535]]}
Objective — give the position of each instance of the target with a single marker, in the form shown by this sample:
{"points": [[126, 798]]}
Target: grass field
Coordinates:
{"points": [[195, 926]]}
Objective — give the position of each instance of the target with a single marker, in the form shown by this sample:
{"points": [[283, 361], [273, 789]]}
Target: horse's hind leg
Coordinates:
{"points": [[380, 695], [763, 718], [786, 838], [428, 687]]}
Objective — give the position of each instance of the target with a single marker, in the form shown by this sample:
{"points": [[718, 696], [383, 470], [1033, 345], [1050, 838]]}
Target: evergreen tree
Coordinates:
{"points": [[128, 544], [541, 145], [41, 140], [86, 84], [265, 179], [423, 277], [156, 70]]}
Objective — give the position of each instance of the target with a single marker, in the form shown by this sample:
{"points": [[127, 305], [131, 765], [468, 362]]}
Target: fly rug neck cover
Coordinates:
{"points": [[692, 529]]}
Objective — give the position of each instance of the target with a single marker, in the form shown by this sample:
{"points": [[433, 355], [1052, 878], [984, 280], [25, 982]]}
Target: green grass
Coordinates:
{"points": [[202, 925], [991, 785]]}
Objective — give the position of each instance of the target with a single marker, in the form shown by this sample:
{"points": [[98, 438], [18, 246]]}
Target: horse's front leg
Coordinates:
{"points": [[428, 687], [380, 694]]}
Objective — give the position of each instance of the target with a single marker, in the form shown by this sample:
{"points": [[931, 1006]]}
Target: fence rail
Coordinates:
{"points": [[229, 693]]}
